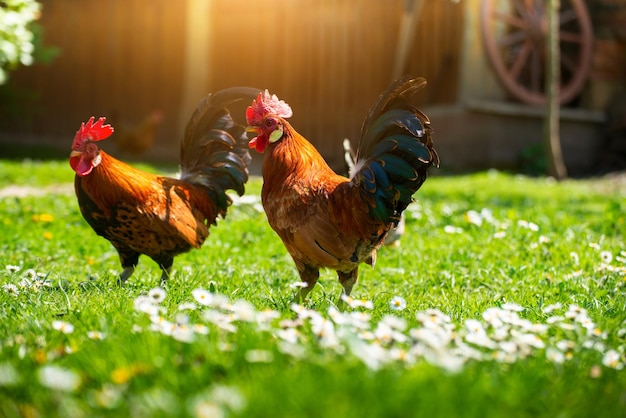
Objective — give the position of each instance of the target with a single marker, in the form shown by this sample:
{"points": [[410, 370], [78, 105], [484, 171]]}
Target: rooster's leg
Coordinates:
{"points": [[126, 273], [348, 280], [166, 273], [129, 260], [309, 276], [165, 262]]}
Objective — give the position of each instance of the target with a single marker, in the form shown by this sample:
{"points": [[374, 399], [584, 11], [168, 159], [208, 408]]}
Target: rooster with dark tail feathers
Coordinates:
{"points": [[161, 217], [329, 221]]}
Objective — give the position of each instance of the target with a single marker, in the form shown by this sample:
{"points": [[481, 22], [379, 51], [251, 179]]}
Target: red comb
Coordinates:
{"points": [[266, 104], [91, 131]]}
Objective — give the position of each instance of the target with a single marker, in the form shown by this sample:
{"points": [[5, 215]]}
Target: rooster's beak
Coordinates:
{"points": [[75, 153], [253, 129]]}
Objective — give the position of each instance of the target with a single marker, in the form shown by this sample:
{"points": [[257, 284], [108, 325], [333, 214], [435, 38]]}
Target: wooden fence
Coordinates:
{"points": [[328, 58]]}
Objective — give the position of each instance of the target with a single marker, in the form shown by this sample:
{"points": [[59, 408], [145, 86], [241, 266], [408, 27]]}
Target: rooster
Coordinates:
{"points": [[326, 220], [136, 139], [161, 217]]}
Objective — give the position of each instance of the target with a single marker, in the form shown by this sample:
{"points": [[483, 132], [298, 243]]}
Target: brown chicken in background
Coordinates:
{"points": [[136, 139], [161, 217], [329, 221]]}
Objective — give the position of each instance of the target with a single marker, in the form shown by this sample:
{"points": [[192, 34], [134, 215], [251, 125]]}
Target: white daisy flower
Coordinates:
{"points": [[11, 289], [95, 335], [183, 333], [565, 345], [432, 318], [449, 229], [289, 335], [493, 316], [299, 285], [200, 329], [357, 303], [224, 322], [435, 337], [553, 307], [13, 269], [58, 378], [477, 334], [266, 316], [487, 215], [324, 329], [397, 303], [606, 256], [613, 360], [387, 335], [8, 375], [202, 296], [157, 295], [360, 320], [229, 397], [394, 322], [554, 355], [473, 217], [528, 225], [144, 304], [528, 339], [513, 307], [244, 310], [64, 327]]}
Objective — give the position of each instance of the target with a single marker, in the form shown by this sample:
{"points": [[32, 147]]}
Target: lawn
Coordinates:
{"points": [[505, 298]]}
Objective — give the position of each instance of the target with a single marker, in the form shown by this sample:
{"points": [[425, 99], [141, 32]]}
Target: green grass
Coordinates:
{"points": [[539, 243]]}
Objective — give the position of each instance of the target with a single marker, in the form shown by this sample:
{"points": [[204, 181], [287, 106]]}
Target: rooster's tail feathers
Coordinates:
{"points": [[395, 151], [214, 151], [399, 91]]}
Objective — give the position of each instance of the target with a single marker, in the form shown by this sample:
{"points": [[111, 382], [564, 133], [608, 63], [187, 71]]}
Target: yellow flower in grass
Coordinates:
{"points": [[125, 373], [43, 217], [47, 235]]}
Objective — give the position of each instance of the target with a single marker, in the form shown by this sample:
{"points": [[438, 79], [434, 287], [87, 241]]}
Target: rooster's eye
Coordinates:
{"points": [[270, 122], [91, 148]]}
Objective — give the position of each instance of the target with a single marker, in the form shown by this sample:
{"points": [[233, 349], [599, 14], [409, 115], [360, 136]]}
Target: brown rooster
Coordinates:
{"points": [[136, 139], [327, 220], [161, 217]]}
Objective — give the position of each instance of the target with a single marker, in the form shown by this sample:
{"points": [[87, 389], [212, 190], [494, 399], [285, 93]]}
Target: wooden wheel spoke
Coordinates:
{"points": [[536, 79], [522, 8], [525, 8], [566, 16], [570, 37], [511, 20], [520, 60], [513, 38], [569, 63], [514, 33], [533, 8]]}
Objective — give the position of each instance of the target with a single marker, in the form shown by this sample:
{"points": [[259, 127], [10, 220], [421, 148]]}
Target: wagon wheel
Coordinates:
{"points": [[514, 33]]}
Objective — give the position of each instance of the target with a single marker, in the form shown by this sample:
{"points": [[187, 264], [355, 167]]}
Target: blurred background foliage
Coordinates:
{"points": [[21, 37]]}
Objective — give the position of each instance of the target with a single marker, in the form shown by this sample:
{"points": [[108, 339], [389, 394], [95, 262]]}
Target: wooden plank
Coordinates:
{"points": [[197, 64], [328, 58]]}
